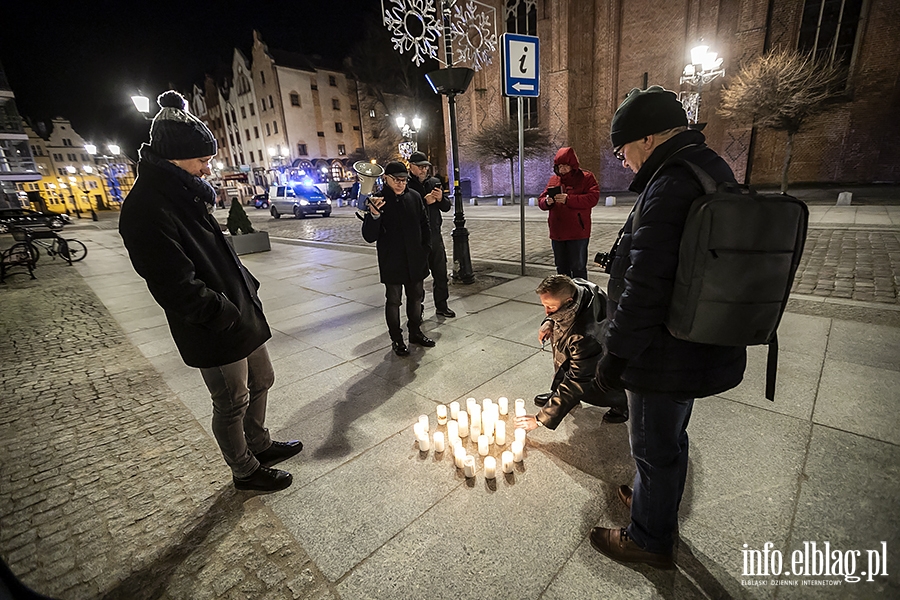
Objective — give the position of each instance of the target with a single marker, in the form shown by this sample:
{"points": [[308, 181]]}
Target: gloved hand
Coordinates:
{"points": [[609, 373]]}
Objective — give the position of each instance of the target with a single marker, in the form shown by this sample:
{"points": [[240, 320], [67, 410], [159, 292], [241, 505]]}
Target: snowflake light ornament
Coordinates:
{"points": [[473, 35], [414, 27]]}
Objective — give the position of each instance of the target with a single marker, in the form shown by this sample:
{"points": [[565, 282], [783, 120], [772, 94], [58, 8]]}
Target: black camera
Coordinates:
{"points": [[604, 259]]}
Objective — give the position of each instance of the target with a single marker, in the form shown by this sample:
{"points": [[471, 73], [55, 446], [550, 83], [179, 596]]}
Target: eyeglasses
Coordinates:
{"points": [[395, 178], [618, 153]]}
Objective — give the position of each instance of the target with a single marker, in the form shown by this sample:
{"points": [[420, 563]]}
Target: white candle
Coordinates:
{"points": [[459, 455], [454, 410], [424, 443], [417, 430], [482, 445], [520, 411], [438, 441], [463, 425], [520, 435], [470, 402], [426, 425], [518, 451], [475, 415], [506, 461], [500, 433], [485, 404], [487, 422], [520, 402], [503, 401], [475, 430], [441, 414], [490, 467], [469, 466], [452, 431]]}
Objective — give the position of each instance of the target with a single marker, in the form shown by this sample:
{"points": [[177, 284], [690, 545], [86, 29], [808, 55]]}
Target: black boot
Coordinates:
{"points": [[264, 479], [616, 414]]}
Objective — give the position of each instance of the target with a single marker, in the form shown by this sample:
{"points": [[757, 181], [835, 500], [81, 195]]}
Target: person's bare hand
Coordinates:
{"points": [[375, 204], [561, 198], [545, 331], [526, 422], [433, 196]]}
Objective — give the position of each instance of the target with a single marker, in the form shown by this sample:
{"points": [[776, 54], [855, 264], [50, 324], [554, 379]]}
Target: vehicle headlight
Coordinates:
{"points": [[328, 201], [303, 203]]}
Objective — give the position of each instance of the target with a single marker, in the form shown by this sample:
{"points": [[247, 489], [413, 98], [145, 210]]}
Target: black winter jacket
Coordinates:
{"points": [[402, 236], [577, 350], [433, 210], [209, 297], [642, 276]]}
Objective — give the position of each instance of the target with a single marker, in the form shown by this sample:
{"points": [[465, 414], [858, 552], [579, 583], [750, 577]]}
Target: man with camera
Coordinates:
{"points": [[661, 374], [397, 223], [570, 195], [436, 202]]}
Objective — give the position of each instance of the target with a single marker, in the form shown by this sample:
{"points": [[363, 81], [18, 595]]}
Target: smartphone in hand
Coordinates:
{"points": [[552, 192]]}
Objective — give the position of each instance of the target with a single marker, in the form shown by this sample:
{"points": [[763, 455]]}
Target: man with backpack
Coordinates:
{"points": [[662, 375]]}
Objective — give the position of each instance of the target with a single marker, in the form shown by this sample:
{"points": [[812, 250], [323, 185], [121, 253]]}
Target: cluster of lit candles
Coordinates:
{"points": [[484, 425]]}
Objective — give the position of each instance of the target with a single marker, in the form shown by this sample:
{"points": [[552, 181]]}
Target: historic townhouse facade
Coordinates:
{"points": [[593, 53]]}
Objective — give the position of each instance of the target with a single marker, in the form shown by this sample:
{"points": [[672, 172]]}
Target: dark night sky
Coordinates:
{"points": [[83, 60]]}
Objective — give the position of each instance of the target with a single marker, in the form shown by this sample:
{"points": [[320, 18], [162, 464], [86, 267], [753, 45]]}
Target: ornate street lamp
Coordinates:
{"points": [[410, 135], [705, 66], [72, 181], [415, 28]]}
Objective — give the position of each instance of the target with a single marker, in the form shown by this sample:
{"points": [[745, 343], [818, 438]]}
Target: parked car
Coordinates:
{"points": [[27, 217], [261, 200], [298, 200]]}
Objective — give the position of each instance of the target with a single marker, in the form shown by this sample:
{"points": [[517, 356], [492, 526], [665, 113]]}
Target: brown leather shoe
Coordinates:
{"points": [[616, 544], [624, 494]]}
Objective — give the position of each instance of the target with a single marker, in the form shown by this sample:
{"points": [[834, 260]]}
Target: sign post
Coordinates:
{"points": [[521, 79]]}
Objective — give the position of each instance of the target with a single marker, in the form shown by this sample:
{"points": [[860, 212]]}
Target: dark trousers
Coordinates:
{"points": [[659, 444], [570, 257], [239, 394], [437, 264], [415, 293]]}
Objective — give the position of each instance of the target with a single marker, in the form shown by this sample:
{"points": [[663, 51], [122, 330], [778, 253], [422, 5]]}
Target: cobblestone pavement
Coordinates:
{"points": [[838, 262], [108, 486]]}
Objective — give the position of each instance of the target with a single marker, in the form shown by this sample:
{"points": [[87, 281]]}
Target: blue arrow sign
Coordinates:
{"points": [[521, 65]]}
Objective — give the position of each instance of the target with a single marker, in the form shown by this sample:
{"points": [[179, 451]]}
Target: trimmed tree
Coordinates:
{"points": [[238, 221], [333, 190], [781, 90], [500, 140]]}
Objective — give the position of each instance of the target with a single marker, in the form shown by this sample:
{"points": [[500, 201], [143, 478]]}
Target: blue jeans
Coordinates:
{"points": [[239, 392], [570, 257], [659, 444]]}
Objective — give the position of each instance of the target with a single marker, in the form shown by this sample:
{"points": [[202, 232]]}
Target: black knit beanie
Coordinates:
{"points": [[176, 133], [645, 112]]}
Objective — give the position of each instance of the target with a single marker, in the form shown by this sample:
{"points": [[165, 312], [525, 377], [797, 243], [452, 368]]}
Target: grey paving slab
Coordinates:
{"points": [[516, 287], [859, 504], [339, 417], [745, 465], [305, 363], [391, 485], [449, 339], [335, 321], [472, 542], [281, 345], [804, 334], [865, 344], [796, 384], [859, 399], [359, 342], [372, 294], [517, 321]]}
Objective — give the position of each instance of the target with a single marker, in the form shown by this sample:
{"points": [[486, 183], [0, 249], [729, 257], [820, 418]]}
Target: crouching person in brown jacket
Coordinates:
{"points": [[575, 326]]}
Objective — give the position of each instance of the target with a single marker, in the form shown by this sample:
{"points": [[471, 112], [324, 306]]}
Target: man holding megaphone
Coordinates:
{"points": [[397, 223]]}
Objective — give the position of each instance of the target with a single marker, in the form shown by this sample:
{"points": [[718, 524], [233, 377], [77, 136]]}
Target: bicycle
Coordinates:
{"points": [[70, 250]]}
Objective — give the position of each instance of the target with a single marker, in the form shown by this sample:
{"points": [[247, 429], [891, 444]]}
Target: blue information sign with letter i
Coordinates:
{"points": [[521, 65]]}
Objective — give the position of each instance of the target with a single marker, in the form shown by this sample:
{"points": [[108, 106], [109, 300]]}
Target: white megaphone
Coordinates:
{"points": [[369, 173]]}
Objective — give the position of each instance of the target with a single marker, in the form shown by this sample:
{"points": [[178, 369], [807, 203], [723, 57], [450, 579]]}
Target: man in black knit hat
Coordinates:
{"points": [[661, 375], [209, 297], [436, 202]]}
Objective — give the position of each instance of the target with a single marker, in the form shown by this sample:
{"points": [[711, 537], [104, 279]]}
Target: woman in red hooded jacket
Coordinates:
{"points": [[570, 212]]}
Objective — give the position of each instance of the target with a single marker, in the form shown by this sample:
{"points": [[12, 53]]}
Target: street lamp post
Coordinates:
{"points": [[142, 104], [72, 181], [705, 66], [89, 170], [277, 159]]}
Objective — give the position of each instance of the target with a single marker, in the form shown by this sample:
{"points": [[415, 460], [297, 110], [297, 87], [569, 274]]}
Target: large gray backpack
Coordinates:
{"points": [[736, 264]]}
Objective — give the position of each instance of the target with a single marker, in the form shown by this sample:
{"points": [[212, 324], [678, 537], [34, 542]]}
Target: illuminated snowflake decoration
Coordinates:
{"points": [[474, 37], [414, 27]]}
